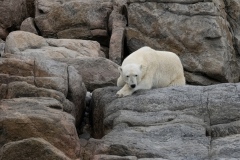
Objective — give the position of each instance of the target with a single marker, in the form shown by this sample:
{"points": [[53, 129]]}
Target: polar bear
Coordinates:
{"points": [[147, 68]]}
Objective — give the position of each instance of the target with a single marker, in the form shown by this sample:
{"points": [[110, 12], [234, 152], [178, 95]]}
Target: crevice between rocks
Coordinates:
{"points": [[208, 130]]}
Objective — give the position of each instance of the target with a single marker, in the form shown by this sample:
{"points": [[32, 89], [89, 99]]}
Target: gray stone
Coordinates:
{"points": [[12, 14], [31, 45], [169, 123], [117, 24], [85, 19], [95, 72], [28, 25], [31, 148], [23, 118]]}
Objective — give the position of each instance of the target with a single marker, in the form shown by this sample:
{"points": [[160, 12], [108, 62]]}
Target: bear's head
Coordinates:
{"points": [[131, 74]]}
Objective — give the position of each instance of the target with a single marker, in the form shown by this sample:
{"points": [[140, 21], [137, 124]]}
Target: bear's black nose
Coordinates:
{"points": [[133, 85]]}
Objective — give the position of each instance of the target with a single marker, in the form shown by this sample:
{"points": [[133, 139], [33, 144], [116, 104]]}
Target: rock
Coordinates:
{"points": [[31, 148], [177, 122], [40, 77], [76, 93], [197, 32], [117, 22], [196, 79], [32, 45], [23, 89], [19, 41], [12, 14], [85, 19], [23, 118], [232, 9], [2, 46], [83, 47], [226, 148], [96, 72], [29, 26]]}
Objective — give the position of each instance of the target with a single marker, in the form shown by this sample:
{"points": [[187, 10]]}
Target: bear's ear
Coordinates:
{"points": [[120, 69]]}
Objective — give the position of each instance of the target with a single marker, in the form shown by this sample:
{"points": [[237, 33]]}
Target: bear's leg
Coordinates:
{"points": [[144, 84], [120, 82], [180, 81], [125, 91]]}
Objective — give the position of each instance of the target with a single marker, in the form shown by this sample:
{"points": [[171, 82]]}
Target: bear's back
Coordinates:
{"points": [[150, 56]]}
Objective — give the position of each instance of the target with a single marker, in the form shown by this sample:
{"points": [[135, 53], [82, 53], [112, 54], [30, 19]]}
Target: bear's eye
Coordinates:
{"points": [[136, 75], [127, 76]]}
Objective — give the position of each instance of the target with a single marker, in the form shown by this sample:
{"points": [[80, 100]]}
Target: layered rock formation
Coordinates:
{"points": [[68, 47], [189, 122]]}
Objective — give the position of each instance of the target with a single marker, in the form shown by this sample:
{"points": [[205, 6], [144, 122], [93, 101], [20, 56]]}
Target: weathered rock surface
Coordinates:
{"points": [[189, 122], [42, 100], [43, 78], [28, 25], [2, 46], [32, 45], [232, 9], [24, 118], [95, 72], [31, 148], [198, 32], [85, 19], [117, 24], [12, 14]]}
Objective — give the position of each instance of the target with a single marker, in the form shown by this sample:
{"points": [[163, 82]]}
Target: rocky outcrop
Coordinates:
{"points": [[31, 148], [96, 72], [66, 47], [117, 25], [43, 78], [85, 19], [32, 45], [28, 25], [198, 32], [189, 122], [86, 56], [25, 118], [205, 34]]}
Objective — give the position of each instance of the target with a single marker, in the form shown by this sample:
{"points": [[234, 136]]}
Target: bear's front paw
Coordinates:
{"points": [[123, 93]]}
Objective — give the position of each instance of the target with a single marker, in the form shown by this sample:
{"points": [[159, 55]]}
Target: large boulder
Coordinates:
{"points": [[189, 122], [198, 32], [85, 19], [24, 118], [117, 25], [95, 72], [31, 148], [32, 45], [28, 25], [23, 77], [12, 14]]}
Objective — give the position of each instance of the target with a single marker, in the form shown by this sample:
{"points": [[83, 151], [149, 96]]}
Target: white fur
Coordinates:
{"points": [[147, 68]]}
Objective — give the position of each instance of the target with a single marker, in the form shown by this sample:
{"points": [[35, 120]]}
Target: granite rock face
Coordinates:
{"points": [[68, 47], [84, 19], [12, 14], [189, 122], [95, 72], [43, 78], [32, 45], [24, 118]]}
